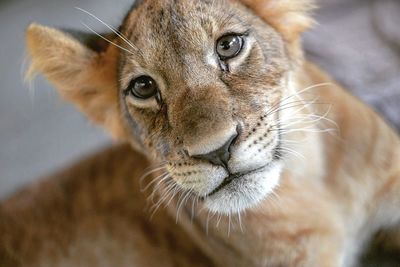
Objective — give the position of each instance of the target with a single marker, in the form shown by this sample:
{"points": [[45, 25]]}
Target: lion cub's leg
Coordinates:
{"points": [[323, 247], [313, 228], [92, 214], [299, 227], [315, 243]]}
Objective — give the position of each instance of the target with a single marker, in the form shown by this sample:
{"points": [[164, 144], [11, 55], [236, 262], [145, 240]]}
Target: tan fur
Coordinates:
{"points": [[336, 188], [289, 17], [94, 75]]}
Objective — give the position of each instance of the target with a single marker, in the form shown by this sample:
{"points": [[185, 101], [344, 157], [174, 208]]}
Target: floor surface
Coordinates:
{"points": [[38, 131]]}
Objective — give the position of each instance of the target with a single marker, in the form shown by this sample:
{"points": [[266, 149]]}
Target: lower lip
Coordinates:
{"points": [[231, 178]]}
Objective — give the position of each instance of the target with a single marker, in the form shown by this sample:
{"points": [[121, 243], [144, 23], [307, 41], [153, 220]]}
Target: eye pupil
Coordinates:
{"points": [[226, 45], [143, 87], [229, 46]]}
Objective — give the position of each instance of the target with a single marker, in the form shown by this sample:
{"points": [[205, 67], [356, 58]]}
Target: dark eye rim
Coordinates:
{"points": [[241, 36], [130, 92]]}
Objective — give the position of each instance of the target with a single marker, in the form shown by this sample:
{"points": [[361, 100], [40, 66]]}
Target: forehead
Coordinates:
{"points": [[161, 27], [180, 15]]}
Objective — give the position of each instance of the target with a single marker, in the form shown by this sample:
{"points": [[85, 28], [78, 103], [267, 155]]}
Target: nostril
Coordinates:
{"points": [[238, 132], [224, 151]]}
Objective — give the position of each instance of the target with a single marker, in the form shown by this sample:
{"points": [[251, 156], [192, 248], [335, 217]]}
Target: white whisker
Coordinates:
{"points": [[169, 192], [111, 28], [159, 179], [181, 204], [292, 152], [149, 172], [104, 38]]}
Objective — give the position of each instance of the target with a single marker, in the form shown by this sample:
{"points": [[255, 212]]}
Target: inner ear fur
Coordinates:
{"points": [[84, 75], [289, 17]]}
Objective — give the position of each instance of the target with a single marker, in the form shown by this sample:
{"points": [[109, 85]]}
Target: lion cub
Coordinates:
{"points": [[248, 154]]}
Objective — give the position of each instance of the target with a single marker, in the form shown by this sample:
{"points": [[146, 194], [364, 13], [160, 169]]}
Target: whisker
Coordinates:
{"points": [[229, 224], [159, 179], [170, 191], [274, 199], [162, 184], [292, 152], [218, 220], [195, 200], [307, 130], [207, 222], [104, 38], [297, 94], [180, 205], [302, 91], [312, 118], [240, 221], [301, 104], [166, 194], [164, 178], [111, 28], [149, 172], [175, 191]]}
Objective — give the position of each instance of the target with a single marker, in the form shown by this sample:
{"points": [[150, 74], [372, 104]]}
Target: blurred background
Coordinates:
{"points": [[356, 41]]}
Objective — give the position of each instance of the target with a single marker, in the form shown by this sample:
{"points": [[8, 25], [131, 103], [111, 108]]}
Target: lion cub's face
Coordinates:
{"points": [[194, 83], [199, 89]]}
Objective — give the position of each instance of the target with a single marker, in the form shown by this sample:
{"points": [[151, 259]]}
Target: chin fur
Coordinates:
{"points": [[245, 192]]}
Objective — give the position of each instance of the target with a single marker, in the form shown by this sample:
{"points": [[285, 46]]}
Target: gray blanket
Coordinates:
{"points": [[358, 42]]}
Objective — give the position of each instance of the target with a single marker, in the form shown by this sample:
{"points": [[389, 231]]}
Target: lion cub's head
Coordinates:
{"points": [[193, 83]]}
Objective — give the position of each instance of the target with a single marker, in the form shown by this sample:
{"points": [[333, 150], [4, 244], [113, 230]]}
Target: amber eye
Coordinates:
{"points": [[143, 87], [229, 46]]}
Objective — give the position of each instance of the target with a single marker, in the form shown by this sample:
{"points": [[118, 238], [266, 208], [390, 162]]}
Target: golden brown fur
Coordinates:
{"points": [[93, 209], [332, 175]]}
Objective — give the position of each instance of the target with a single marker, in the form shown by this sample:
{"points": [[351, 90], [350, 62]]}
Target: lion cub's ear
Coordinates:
{"points": [[289, 17], [84, 74]]}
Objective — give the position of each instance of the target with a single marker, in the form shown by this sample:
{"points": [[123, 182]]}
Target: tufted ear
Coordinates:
{"points": [[289, 17], [83, 69]]}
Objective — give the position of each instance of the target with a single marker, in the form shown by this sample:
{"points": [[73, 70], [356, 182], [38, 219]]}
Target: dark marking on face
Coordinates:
{"points": [[133, 126]]}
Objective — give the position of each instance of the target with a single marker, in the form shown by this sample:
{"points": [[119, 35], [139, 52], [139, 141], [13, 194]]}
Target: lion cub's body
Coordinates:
{"points": [[308, 175], [94, 214]]}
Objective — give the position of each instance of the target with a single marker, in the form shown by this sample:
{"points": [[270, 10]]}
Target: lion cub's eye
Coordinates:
{"points": [[143, 87], [229, 46]]}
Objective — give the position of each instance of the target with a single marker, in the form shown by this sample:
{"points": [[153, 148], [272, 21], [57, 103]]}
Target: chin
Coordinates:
{"points": [[245, 192]]}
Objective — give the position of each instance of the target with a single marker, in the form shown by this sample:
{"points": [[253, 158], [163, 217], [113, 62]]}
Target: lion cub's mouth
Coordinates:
{"points": [[228, 180], [232, 177]]}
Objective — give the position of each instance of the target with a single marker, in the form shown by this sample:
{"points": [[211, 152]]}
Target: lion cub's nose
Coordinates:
{"points": [[220, 156]]}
